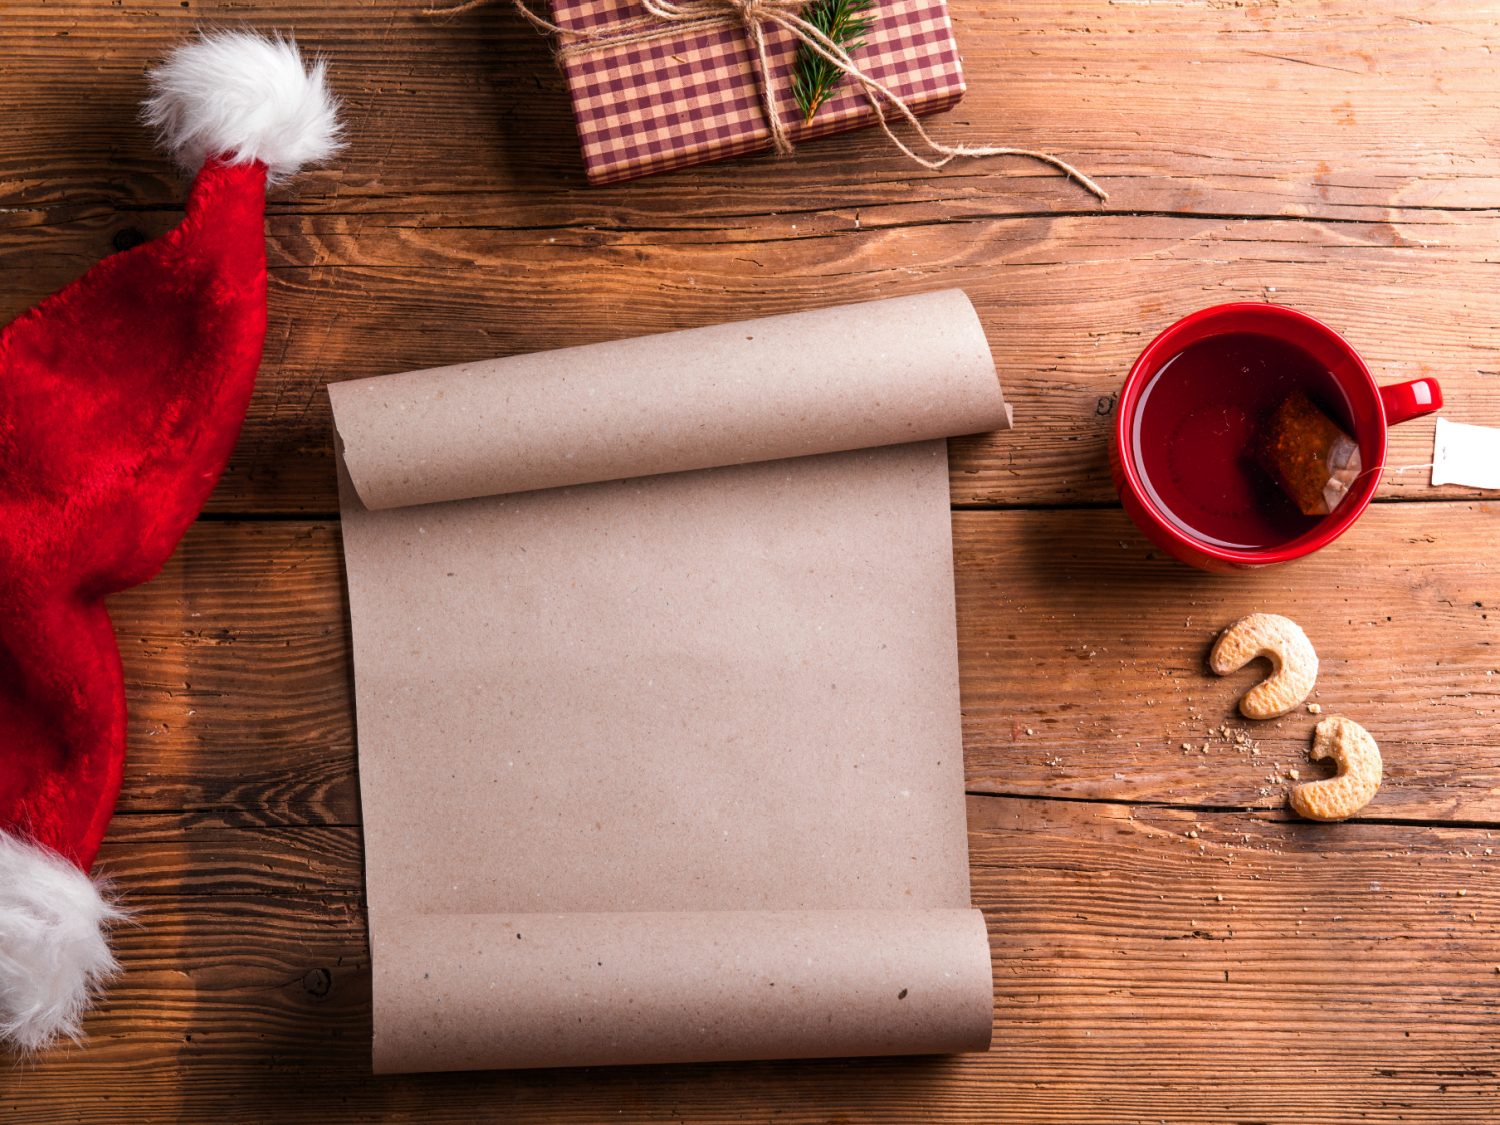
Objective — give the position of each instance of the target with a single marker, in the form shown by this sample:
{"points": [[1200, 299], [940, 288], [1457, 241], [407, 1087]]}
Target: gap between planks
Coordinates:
{"points": [[247, 516], [1260, 812], [1384, 214]]}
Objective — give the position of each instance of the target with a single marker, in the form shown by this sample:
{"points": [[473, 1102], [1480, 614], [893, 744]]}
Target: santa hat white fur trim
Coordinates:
{"points": [[243, 97], [54, 947]]}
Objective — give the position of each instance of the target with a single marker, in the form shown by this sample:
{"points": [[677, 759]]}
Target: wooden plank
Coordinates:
{"points": [[155, 858], [1165, 964], [1150, 964], [457, 227], [1067, 304], [1084, 661], [1070, 628], [238, 679], [1256, 108]]}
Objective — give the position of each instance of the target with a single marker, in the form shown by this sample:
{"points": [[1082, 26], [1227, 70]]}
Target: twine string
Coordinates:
{"points": [[664, 18]]}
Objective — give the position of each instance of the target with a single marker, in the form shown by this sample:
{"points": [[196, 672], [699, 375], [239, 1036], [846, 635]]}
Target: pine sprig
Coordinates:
{"points": [[845, 22]]}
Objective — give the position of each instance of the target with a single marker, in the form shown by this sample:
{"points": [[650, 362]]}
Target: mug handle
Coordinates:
{"points": [[1405, 401]]}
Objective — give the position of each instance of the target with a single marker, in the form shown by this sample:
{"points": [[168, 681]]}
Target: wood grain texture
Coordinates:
{"points": [[1169, 945], [1341, 161], [239, 684], [1084, 660], [1067, 303], [1150, 964], [1082, 655], [1248, 107]]}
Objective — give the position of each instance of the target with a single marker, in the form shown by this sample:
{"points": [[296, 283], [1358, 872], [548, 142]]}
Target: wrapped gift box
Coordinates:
{"points": [[694, 96]]}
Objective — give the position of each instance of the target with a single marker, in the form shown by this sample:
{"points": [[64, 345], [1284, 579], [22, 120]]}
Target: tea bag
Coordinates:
{"points": [[1465, 454], [1313, 460]]}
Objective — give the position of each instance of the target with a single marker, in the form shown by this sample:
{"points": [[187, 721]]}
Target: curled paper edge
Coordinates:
{"points": [[629, 989], [886, 372]]}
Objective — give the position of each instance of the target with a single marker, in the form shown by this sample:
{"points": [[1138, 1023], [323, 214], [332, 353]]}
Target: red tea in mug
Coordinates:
{"points": [[1198, 429]]}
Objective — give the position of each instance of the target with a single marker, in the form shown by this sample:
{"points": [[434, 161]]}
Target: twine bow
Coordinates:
{"points": [[667, 18]]}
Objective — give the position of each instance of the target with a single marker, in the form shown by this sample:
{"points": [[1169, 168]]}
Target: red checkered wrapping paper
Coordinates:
{"points": [[694, 97]]}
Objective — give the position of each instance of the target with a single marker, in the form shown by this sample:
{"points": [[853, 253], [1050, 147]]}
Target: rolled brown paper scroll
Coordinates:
{"points": [[849, 377], [667, 766], [534, 989]]}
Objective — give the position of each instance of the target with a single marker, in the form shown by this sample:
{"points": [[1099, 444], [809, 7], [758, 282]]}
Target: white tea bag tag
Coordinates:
{"points": [[1465, 454]]}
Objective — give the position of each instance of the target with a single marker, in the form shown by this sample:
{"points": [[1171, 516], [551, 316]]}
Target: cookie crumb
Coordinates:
{"points": [[1314, 708]]}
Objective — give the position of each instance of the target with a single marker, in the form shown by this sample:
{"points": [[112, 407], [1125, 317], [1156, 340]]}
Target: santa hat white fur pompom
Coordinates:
{"points": [[54, 944], [243, 97]]}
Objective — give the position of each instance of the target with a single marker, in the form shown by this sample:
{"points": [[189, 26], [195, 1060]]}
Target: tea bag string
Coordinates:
{"points": [[1399, 469], [665, 18], [1378, 469]]}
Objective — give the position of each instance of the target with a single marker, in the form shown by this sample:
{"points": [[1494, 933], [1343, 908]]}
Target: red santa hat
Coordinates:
{"points": [[120, 400]]}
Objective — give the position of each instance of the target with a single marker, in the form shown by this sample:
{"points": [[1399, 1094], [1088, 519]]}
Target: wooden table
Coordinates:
{"points": [[1168, 944]]}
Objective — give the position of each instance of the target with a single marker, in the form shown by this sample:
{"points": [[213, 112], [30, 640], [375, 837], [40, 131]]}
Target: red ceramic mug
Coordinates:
{"points": [[1372, 410]]}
